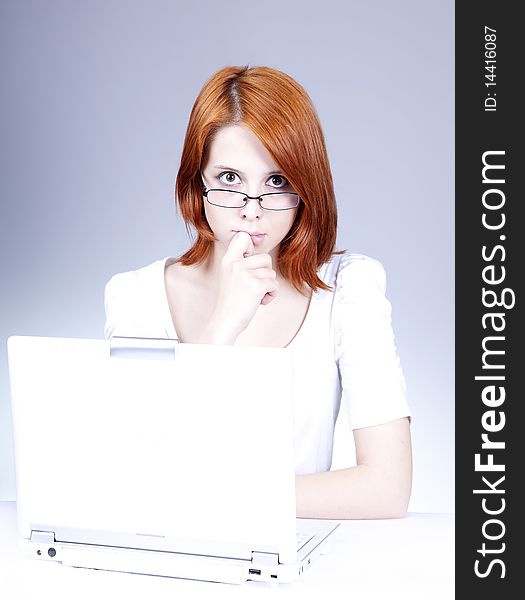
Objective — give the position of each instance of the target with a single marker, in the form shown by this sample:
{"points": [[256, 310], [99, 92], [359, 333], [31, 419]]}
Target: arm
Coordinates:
{"points": [[373, 391], [378, 487]]}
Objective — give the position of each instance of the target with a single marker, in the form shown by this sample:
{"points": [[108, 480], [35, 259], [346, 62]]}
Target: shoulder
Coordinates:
{"points": [[354, 272], [184, 280], [130, 291], [135, 302], [136, 281]]}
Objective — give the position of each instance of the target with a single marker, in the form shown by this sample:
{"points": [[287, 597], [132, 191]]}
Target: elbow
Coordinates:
{"points": [[383, 504], [398, 502], [395, 498], [392, 508], [398, 491], [397, 512]]}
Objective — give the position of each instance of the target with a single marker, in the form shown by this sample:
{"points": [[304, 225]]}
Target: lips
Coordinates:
{"points": [[256, 236]]}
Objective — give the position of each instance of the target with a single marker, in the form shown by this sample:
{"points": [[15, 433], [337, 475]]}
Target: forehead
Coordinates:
{"points": [[236, 146]]}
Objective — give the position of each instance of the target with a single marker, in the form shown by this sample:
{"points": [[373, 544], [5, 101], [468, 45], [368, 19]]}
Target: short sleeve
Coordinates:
{"points": [[120, 296], [372, 381], [136, 304]]}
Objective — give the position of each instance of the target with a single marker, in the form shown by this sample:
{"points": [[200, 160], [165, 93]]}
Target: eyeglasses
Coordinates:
{"points": [[233, 199]]}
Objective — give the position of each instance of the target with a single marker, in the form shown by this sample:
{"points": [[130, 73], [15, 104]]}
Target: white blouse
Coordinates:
{"points": [[344, 351]]}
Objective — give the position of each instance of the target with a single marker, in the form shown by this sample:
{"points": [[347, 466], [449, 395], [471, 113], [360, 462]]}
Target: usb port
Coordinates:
{"points": [[254, 571]]}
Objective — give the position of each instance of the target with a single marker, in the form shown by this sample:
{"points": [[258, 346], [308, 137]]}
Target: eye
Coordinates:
{"points": [[229, 178], [278, 181]]}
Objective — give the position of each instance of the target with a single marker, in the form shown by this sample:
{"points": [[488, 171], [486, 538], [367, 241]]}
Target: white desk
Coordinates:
{"points": [[408, 559]]}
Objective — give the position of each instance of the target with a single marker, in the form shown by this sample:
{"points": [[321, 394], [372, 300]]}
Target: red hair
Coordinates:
{"points": [[280, 113]]}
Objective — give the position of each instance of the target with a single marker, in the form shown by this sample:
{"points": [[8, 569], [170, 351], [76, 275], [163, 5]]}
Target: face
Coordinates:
{"points": [[238, 161]]}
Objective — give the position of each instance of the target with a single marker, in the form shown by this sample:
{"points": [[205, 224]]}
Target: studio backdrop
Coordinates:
{"points": [[95, 101]]}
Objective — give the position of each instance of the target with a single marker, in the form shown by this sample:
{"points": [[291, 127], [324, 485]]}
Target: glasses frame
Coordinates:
{"points": [[246, 198]]}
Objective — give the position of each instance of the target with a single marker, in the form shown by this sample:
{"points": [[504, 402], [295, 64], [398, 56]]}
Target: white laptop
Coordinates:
{"points": [[157, 457]]}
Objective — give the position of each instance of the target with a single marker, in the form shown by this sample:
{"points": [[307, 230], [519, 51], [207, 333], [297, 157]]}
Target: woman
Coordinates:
{"points": [[255, 184]]}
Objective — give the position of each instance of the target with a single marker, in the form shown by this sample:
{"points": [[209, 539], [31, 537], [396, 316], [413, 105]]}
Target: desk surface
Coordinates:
{"points": [[409, 559]]}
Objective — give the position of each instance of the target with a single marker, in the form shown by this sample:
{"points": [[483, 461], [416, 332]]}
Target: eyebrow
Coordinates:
{"points": [[226, 168]]}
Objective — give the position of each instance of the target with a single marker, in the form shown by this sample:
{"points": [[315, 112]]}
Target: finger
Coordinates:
{"points": [[240, 245], [267, 298], [258, 261], [271, 287], [263, 273]]}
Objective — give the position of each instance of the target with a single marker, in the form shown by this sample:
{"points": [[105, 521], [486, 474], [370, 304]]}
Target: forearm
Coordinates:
{"points": [[361, 492]]}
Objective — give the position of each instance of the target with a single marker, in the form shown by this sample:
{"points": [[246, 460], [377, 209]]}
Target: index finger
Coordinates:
{"points": [[240, 246]]}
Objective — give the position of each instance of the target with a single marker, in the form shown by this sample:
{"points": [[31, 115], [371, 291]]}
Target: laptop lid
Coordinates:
{"points": [[152, 444]]}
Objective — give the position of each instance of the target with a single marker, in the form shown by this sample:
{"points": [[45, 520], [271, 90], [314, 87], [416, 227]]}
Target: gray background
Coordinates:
{"points": [[95, 100]]}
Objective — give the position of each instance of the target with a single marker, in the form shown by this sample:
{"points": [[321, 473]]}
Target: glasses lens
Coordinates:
{"points": [[231, 199], [279, 201], [226, 198]]}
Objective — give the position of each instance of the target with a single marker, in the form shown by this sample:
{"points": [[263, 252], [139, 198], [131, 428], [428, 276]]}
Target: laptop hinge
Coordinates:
{"points": [[140, 348], [265, 558], [43, 537]]}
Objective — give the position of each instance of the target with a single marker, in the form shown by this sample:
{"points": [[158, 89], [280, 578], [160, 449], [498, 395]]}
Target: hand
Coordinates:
{"points": [[246, 281]]}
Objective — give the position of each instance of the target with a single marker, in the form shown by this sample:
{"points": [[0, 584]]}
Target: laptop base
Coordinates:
{"points": [[172, 564]]}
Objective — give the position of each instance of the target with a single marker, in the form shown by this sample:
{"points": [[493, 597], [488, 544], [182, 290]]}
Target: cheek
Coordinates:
{"points": [[288, 222], [206, 208], [212, 216]]}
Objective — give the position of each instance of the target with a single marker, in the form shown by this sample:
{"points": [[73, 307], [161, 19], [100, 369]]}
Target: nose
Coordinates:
{"points": [[252, 209]]}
